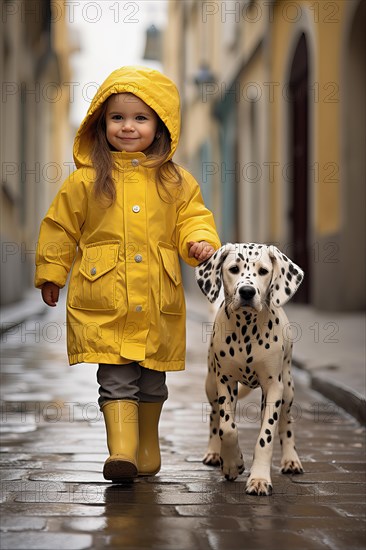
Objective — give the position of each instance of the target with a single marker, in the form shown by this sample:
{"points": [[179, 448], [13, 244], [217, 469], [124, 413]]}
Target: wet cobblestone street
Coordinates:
{"points": [[53, 448]]}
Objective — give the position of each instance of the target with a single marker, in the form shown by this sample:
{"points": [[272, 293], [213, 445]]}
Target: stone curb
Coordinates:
{"points": [[346, 398]]}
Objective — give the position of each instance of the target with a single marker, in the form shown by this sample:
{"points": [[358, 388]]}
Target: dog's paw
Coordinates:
{"points": [[291, 467], [211, 459], [231, 469], [259, 487]]}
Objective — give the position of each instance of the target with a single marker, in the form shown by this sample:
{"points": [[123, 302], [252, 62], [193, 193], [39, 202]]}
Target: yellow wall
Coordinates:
{"points": [[323, 29]]}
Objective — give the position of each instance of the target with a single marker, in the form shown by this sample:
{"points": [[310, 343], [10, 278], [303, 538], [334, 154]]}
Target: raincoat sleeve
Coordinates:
{"points": [[195, 222], [60, 233]]}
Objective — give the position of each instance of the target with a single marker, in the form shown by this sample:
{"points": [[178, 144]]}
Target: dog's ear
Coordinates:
{"points": [[208, 273], [286, 278]]}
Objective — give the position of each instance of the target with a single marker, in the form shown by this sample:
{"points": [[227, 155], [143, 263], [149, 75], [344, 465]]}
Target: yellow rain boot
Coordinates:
{"points": [[121, 421], [149, 450]]}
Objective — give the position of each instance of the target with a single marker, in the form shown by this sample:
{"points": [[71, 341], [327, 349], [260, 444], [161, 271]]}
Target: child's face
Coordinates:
{"points": [[131, 124]]}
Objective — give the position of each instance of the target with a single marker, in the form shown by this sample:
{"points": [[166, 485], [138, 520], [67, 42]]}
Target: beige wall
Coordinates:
{"points": [[34, 130]]}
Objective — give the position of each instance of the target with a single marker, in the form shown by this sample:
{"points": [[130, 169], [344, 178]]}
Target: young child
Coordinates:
{"points": [[120, 223]]}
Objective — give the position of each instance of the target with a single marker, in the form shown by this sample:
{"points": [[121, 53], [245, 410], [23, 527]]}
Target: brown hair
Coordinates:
{"points": [[168, 176]]}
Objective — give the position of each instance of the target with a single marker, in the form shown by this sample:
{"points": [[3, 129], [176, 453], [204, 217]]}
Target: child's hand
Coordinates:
{"points": [[201, 251], [50, 293]]}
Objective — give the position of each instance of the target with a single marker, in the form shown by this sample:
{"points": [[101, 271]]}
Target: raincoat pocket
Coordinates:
{"points": [[94, 285], [171, 288]]}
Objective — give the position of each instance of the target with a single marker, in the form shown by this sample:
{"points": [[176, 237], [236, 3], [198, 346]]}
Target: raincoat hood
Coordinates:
{"points": [[154, 88]]}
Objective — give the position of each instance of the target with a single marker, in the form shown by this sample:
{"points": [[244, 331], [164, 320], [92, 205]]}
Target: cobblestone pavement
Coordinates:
{"points": [[53, 448]]}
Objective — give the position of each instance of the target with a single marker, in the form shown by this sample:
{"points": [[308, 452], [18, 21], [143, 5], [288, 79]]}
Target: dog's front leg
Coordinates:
{"points": [[259, 482], [231, 458], [212, 456]]}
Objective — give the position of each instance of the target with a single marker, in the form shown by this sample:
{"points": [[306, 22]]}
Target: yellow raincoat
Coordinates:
{"points": [[125, 296]]}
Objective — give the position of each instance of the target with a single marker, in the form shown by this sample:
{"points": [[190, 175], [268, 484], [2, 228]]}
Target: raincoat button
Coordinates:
{"points": [[138, 308], [136, 209], [93, 271], [134, 162], [138, 258]]}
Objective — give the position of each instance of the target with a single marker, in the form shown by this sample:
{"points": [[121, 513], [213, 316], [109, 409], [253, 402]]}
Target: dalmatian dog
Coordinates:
{"points": [[250, 345]]}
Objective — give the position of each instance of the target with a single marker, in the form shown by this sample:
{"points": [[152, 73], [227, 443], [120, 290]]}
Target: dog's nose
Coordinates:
{"points": [[247, 292]]}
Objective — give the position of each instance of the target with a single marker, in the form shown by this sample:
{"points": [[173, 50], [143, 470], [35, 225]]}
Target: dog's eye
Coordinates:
{"points": [[263, 271], [234, 269]]}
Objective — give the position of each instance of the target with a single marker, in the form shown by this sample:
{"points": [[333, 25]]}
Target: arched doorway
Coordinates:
{"points": [[299, 159]]}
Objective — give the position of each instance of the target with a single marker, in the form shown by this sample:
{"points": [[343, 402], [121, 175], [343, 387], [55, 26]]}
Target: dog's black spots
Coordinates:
{"points": [[270, 325], [262, 442], [225, 378], [243, 330], [289, 277], [228, 340], [249, 359], [275, 416], [270, 377], [267, 431], [227, 417], [222, 413], [279, 377], [247, 370], [222, 354], [278, 403], [246, 339], [283, 270], [220, 433], [269, 439], [289, 384], [275, 338], [260, 341], [207, 267], [214, 431], [270, 421], [229, 389], [207, 286], [277, 321], [248, 348], [222, 399], [233, 425], [288, 291], [289, 433], [240, 350], [267, 334], [232, 352], [254, 330], [235, 391], [267, 346], [233, 336]]}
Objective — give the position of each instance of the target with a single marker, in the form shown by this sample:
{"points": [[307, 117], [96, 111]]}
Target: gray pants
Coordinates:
{"points": [[131, 382]]}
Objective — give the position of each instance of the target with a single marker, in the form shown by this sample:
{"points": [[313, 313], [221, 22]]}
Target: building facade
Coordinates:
{"points": [[273, 95], [34, 69]]}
